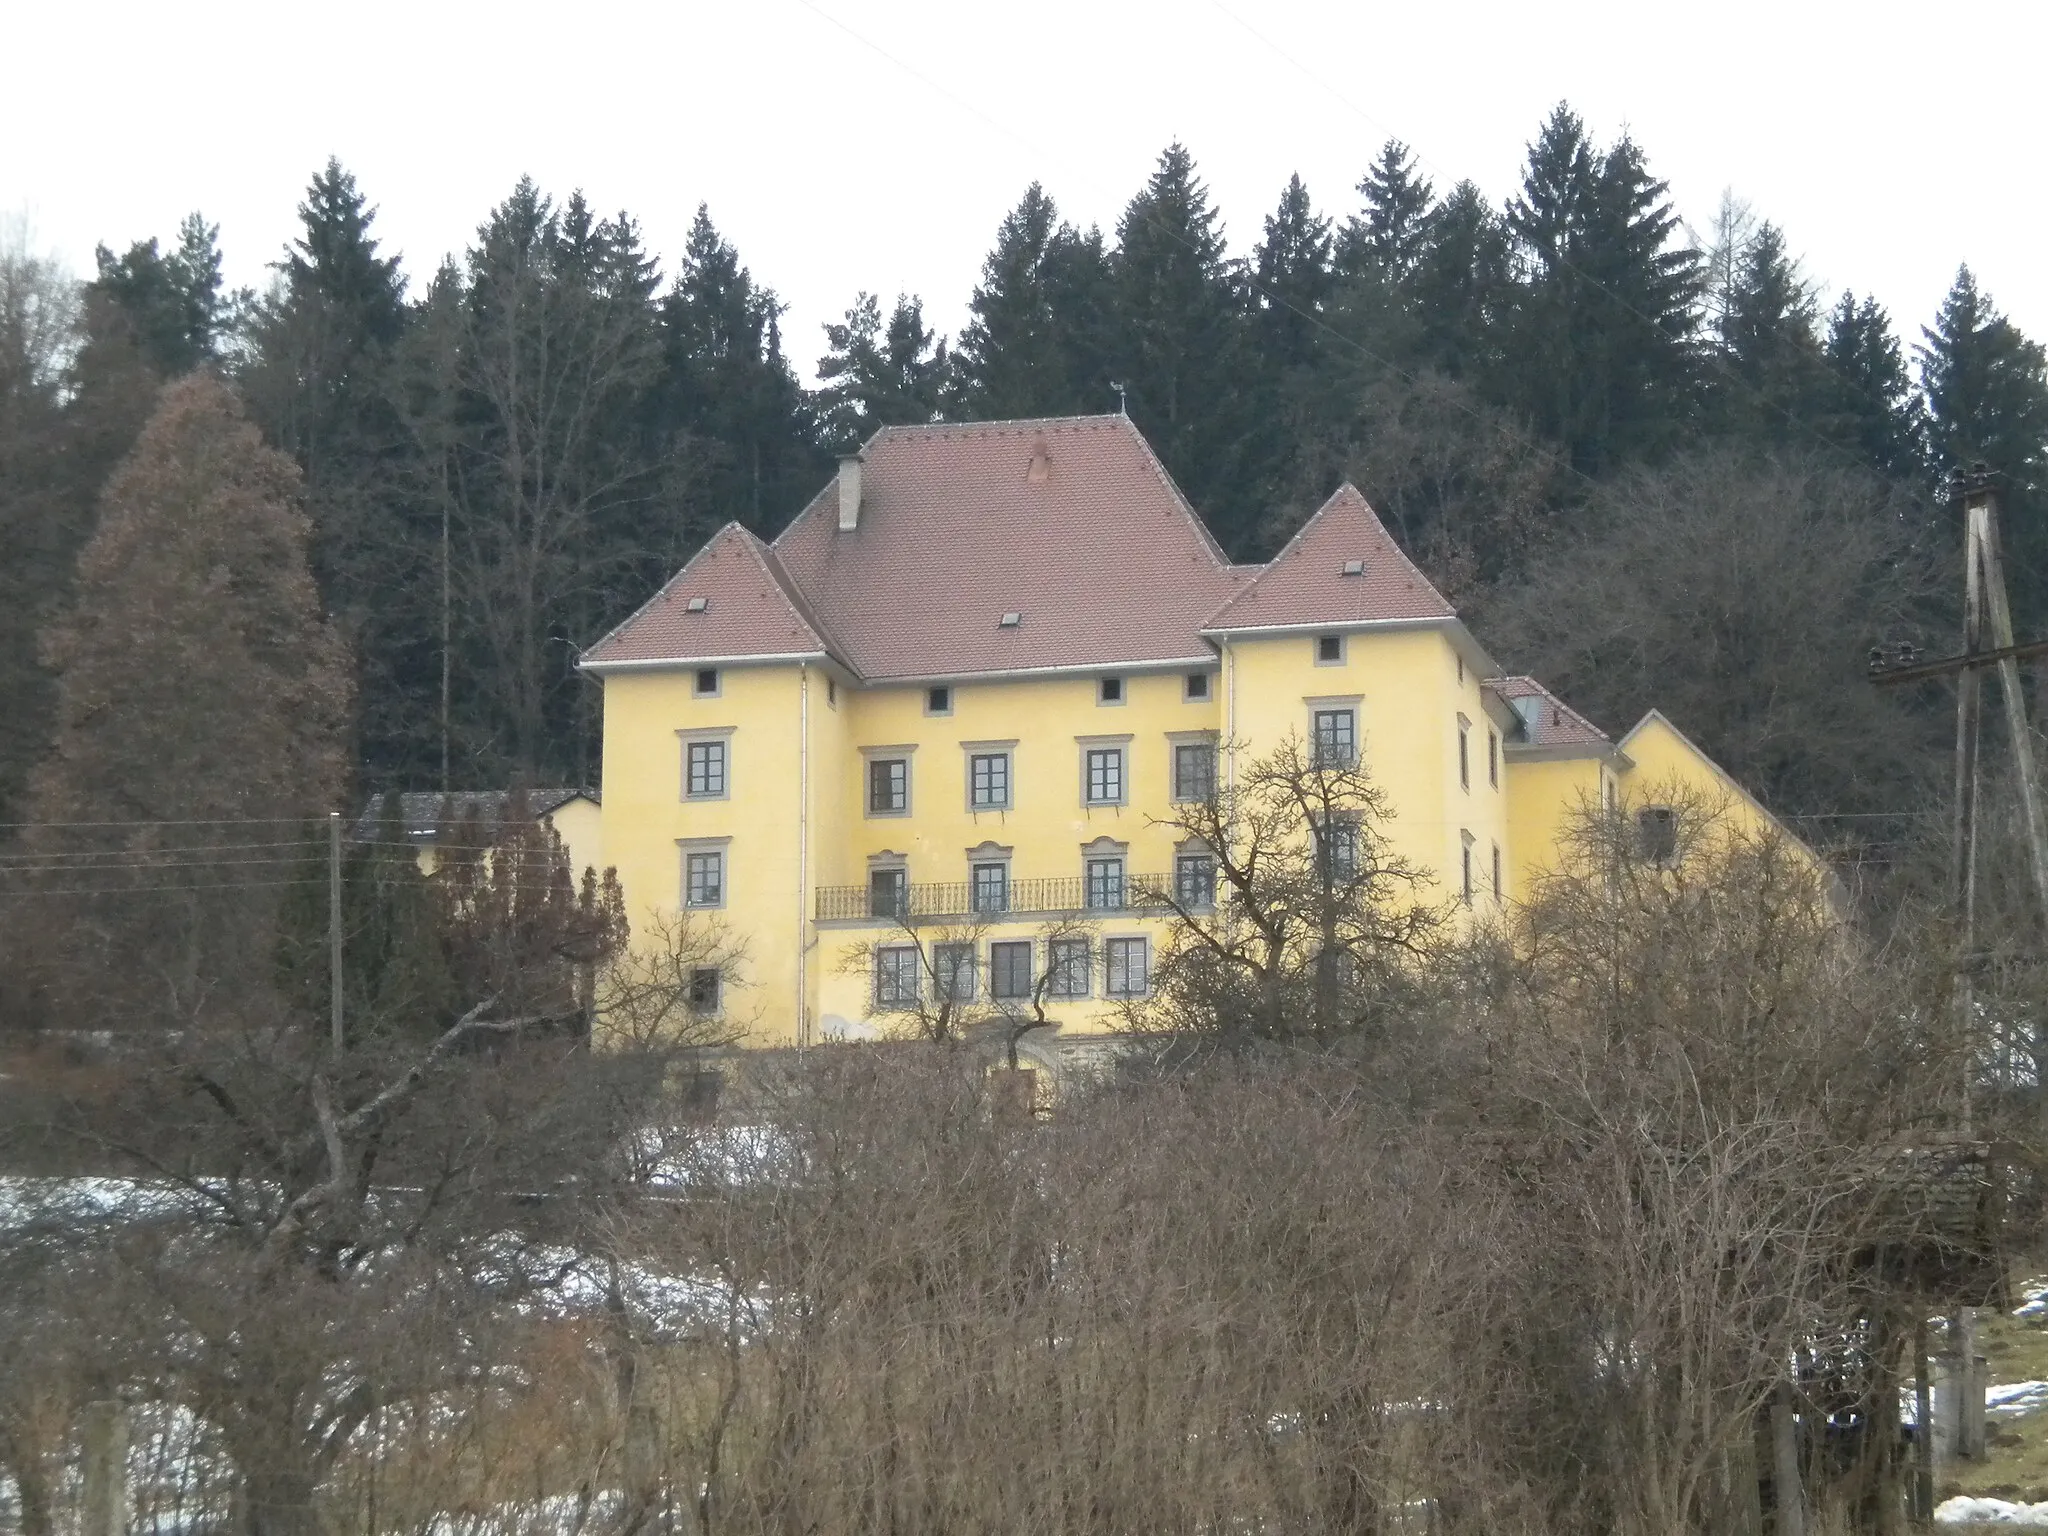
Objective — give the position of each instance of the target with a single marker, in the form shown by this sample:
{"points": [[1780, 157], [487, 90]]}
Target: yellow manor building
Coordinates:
{"points": [[974, 675]]}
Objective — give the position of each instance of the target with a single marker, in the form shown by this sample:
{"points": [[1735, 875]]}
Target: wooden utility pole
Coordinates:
{"points": [[340, 1038]]}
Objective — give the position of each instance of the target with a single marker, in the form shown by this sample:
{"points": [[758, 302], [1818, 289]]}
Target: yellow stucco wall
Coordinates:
{"points": [[1544, 798], [580, 825]]}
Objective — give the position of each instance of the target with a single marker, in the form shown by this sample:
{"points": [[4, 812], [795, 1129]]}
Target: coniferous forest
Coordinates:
{"points": [[1631, 441]]}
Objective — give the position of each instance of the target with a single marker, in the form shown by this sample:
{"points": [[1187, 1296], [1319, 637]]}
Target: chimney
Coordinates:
{"points": [[849, 493]]}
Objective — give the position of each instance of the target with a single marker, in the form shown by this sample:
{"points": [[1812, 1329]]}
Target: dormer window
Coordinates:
{"points": [[707, 682], [1353, 568]]}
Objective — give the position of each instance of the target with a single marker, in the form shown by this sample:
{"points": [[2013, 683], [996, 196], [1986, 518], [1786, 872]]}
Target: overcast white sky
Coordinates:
{"points": [[848, 144]]}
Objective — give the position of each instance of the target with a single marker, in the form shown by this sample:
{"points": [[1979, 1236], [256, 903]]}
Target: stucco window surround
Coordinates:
{"points": [[705, 872], [990, 769], [1111, 692], [938, 699], [1464, 752], [1329, 650], [1126, 966], [1069, 969], [1465, 845], [1105, 771], [707, 683], [888, 885], [1105, 875], [1335, 728], [697, 765], [899, 977], [869, 758], [1198, 687], [1194, 874]]}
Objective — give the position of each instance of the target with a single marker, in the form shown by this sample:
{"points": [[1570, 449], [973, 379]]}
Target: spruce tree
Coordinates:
{"points": [[1770, 383], [1389, 237], [1035, 344], [880, 373], [1180, 340], [1291, 282], [1600, 348], [727, 388], [1986, 388], [172, 304], [1874, 409]]}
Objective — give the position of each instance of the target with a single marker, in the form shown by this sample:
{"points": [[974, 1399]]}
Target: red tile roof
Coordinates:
{"points": [[1547, 720], [1093, 547], [1307, 584], [1072, 524], [749, 608]]}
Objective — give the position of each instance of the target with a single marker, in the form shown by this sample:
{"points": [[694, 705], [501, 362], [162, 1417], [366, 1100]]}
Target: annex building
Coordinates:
{"points": [[970, 677]]}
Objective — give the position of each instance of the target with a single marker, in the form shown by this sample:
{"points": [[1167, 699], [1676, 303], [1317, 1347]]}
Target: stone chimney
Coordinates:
{"points": [[849, 493]]}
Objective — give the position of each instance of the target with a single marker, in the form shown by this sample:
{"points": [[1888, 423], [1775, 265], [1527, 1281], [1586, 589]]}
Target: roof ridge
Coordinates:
{"points": [[997, 426], [1172, 488]]}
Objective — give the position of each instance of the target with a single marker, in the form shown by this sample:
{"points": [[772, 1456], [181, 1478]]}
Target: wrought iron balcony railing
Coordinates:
{"points": [[956, 899]]}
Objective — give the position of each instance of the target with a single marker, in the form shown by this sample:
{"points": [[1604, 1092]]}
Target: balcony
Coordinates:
{"points": [[943, 900]]}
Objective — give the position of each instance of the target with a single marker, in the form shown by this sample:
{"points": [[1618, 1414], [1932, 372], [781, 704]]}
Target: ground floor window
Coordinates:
{"points": [[1009, 969], [896, 976], [1129, 973]]}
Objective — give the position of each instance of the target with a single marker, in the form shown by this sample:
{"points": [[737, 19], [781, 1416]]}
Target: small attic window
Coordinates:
{"points": [[707, 682], [698, 604], [1353, 568], [1010, 620]]}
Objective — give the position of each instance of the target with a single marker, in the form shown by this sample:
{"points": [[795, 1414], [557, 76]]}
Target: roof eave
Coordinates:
{"points": [[682, 663]]}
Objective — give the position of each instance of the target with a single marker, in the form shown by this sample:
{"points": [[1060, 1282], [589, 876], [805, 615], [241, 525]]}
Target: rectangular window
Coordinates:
{"points": [[1337, 851], [1105, 775], [706, 770], [1194, 770], [991, 883], [1111, 691], [888, 786], [1465, 871], [1329, 650], [938, 701], [1128, 973], [1009, 969], [1492, 759], [896, 977], [1336, 743], [706, 983], [953, 972], [1657, 834], [704, 879], [1464, 756], [1194, 880], [707, 682], [1197, 687], [988, 781], [1105, 885], [1496, 871], [889, 893], [1067, 967]]}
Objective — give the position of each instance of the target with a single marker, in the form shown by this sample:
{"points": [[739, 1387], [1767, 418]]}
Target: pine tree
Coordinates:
{"points": [[198, 682], [1770, 384], [879, 374], [730, 392], [1035, 344], [1986, 388], [1600, 346], [172, 303], [1389, 238], [1874, 408], [1180, 330]]}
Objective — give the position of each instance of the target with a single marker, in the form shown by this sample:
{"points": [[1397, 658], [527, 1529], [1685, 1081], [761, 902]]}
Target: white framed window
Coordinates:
{"points": [[1103, 776], [988, 781], [1109, 690], [1334, 736], [1194, 770], [1103, 884], [938, 700], [1194, 880], [1195, 688], [706, 683], [1127, 970], [704, 770], [703, 877], [1329, 650], [888, 786], [707, 990], [899, 978], [1009, 970], [953, 972], [1069, 966], [989, 886]]}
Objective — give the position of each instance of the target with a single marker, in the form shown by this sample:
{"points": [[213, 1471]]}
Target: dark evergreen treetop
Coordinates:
{"points": [[879, 374], [1875, 409], [1036, 341], [1390, 236], [335, 262], [172, 304], [1291, 281]]}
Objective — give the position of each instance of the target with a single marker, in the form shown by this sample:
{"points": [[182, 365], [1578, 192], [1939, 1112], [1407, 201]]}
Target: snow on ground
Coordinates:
{"points": [[1973, 1511]]}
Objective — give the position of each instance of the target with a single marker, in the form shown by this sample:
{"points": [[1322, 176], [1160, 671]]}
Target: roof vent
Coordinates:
{"points": [[698, 604], [1041, 464], [1354, 568], [1010, 620], [849, 493]]}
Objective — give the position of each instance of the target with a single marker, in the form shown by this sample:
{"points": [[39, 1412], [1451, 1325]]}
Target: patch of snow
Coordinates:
{"points": [[2033, 1299], [2016, 1397], [1972, 1511]]}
